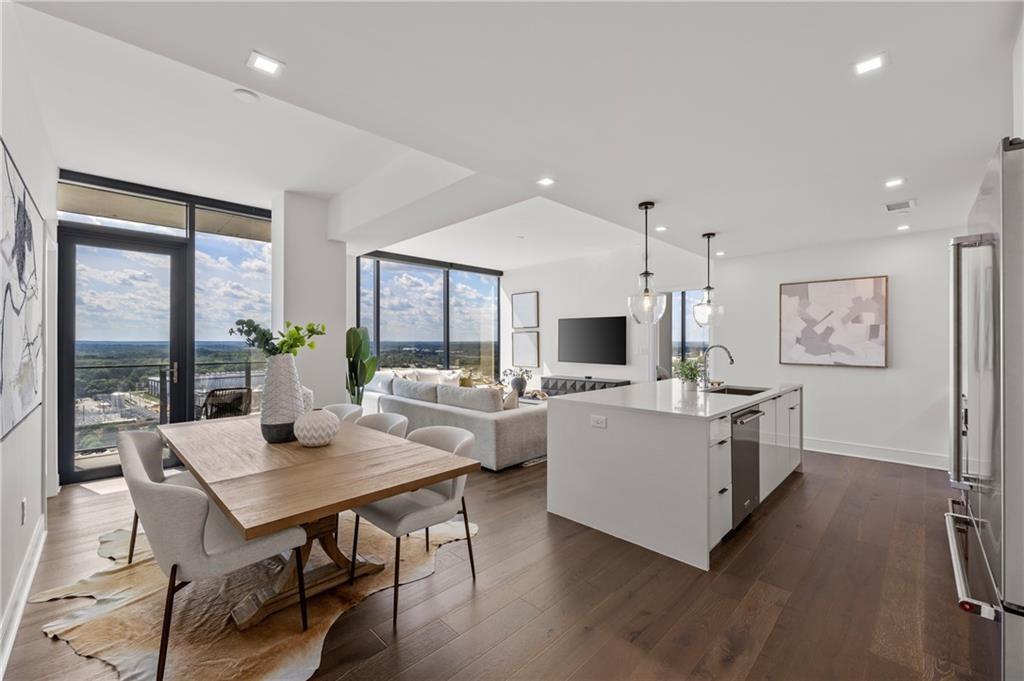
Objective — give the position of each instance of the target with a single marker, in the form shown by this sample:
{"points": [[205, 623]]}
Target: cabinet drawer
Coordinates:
{"points": [[719, 516], [719, 465], [719, 429], [790, 399]]}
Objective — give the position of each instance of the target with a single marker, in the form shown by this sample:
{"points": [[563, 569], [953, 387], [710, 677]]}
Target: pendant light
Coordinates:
{"points": [[646, 307], [704, 311]]}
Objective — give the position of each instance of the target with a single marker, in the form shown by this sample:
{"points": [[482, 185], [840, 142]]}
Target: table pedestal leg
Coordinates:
{"points": [[283, 590]]}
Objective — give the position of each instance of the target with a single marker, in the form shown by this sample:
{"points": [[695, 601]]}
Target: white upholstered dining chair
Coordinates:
{"points": [[346, 413], [392, 424], [154, 469], [190, 537], [418, 510]]}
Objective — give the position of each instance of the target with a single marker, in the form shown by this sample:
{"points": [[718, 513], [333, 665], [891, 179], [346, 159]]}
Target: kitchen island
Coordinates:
{"points": [[656, 464]]}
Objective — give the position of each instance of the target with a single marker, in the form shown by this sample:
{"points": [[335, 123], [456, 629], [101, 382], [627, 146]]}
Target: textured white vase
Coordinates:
{"points": [[316, 428], [307, 399], [282, 399]]}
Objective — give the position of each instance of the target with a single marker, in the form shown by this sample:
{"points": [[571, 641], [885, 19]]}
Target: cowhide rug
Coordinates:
{"points": [[122, 627]]}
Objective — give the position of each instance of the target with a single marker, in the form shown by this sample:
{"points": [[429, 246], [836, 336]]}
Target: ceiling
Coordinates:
{"points": [[745, 119], [532, 232], [115, 110]]}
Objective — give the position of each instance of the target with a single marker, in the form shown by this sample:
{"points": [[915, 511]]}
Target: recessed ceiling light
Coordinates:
{"points": [[520, 236], [719, 253], [903, 228], [661, 228], [872, 64], [546, 181], [264, 64], [247, 96], [894, 182]]}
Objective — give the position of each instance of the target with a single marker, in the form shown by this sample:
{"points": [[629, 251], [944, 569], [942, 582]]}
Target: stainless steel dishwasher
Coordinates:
{"points": [[746, 463]]}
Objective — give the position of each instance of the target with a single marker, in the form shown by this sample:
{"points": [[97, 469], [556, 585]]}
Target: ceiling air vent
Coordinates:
{"points": [[900, 206]]}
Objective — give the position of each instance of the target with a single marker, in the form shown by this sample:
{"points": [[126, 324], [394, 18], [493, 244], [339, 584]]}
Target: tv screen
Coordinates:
{"points": [[592, 340]]}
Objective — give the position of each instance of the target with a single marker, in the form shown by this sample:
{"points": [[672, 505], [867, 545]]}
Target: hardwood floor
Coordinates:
{"points": [[843, 573]]}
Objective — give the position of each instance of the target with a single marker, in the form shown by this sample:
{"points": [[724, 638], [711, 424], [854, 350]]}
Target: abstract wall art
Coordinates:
{"points": [[21, 320], [835, 322]]}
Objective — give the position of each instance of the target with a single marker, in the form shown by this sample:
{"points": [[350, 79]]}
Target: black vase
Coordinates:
{"points": [[519, 385], [276, 433]]}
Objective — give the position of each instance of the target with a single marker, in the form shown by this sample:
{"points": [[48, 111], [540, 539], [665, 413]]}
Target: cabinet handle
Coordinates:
{"points": [[723, 490], [792, 408], [722, 442]]}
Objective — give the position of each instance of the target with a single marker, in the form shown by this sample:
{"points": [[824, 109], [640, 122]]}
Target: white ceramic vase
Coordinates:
{"points": [[689, 385], [282, 399]]}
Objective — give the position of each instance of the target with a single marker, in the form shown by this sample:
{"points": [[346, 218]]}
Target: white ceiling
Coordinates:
{"points": [[741, 118], [529, 233], [116, 110]]}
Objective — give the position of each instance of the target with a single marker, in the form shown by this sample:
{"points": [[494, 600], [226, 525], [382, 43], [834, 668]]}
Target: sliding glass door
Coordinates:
{"points": [[122, 352]]}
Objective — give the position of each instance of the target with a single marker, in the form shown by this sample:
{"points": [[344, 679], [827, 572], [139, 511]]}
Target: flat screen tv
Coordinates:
{"points": [[592, 340]]}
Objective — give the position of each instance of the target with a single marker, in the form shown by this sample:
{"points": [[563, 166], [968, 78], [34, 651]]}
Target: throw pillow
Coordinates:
{"points": [[407, 374], [469, 398], [428, 375], [414, 390], [381, 382], [511, 400], [449, 377]]}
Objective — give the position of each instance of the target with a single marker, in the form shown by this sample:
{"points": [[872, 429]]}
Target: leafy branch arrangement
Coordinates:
{"points": [[288, 341], [517, 372]]}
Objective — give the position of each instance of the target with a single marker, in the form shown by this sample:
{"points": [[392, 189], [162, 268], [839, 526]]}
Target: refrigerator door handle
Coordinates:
{"points": [[963, 592], [958, 412]]}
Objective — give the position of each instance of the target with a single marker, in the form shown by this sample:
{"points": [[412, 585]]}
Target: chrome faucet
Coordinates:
{"points": [[704, 383]]}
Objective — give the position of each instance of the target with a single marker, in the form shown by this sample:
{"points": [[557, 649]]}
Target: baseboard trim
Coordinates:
{"points": [[861, 451], [19, 594]]}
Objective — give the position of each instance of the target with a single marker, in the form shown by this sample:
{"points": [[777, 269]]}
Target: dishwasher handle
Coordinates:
{"points": [[747, 416], [963, 592]]}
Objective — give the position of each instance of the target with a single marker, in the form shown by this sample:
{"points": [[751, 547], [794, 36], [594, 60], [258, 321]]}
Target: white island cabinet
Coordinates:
{"points": [[651, 463]]}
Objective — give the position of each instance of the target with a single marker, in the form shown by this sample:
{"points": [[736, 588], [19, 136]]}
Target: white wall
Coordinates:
{"points": [[22, 462], [595, 286], [1018, 84], [309, 285], [898, 413]]}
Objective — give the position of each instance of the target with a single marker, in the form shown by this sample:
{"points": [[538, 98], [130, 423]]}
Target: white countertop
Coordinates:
{"points": [[669, 397]]}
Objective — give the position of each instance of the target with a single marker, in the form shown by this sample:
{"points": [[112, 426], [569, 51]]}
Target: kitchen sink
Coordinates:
{"points": [[736, 390]]}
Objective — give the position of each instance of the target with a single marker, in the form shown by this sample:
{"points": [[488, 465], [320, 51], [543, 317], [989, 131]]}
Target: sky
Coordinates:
{"points": [[412, 303], [125, 295]]}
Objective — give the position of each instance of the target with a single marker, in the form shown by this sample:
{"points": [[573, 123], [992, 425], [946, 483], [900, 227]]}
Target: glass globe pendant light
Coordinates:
{"points": [[704, 311], [646, 307]]}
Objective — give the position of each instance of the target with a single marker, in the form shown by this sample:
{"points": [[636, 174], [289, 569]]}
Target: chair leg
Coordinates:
{"points": [[165, 632], [427, 531], [355, 545], [131, 542], [398, 563], [302, 586], [469, 540]]}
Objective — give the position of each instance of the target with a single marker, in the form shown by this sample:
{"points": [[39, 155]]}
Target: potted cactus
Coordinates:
{"points": [[362, 365]]}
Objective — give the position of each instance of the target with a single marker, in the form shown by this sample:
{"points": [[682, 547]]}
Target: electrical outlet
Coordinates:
{"points": [[598, 421], [24, 509]]}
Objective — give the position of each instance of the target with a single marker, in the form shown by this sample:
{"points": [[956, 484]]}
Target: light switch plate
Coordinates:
{"points": [[598, 421]]}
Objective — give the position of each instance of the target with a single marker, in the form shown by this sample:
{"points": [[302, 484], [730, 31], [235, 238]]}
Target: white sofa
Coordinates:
{"points": [[504, 437]]}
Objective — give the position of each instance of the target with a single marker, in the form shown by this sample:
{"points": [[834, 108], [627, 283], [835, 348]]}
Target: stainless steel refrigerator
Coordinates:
{"points": [[985, 522]]}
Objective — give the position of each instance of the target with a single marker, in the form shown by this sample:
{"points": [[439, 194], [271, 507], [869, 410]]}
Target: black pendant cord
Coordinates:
{"points": [[708, 239], [646, 211]]}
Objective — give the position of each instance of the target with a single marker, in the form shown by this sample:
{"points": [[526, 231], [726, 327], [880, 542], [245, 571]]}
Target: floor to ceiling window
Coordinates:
{"points": [[149, 282], [430, 314], [689, 339]]}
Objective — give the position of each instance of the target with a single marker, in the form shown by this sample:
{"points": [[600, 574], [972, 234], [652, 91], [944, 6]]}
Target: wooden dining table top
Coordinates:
{"points": [[263, 488]]}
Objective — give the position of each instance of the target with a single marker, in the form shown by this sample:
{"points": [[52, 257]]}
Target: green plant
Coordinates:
{"points": [[362, 365], [288, 341], [687, 369], [516, 372]]}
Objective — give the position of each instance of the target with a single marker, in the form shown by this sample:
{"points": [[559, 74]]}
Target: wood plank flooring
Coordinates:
{"points": [[843, 573]]}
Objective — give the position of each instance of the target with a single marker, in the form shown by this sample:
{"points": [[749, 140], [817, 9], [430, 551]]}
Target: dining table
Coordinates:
{"points": [[262, 488]]}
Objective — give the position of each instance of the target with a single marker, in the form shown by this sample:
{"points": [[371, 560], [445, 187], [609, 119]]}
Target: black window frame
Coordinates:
{"points": [[69, 234], [447, 268]]}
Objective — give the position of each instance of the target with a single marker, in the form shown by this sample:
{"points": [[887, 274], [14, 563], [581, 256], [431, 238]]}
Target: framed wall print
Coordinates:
{"points": [[526, 349], [835, 322], [526, 310]]}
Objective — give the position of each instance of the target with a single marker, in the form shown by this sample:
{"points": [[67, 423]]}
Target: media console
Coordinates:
{"points": [[564, 385]]}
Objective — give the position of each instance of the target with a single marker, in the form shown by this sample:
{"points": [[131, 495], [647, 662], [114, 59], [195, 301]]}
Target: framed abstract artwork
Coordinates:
{"points": [[526, 349], [835, 322], [21, 320], [526, 310]]}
